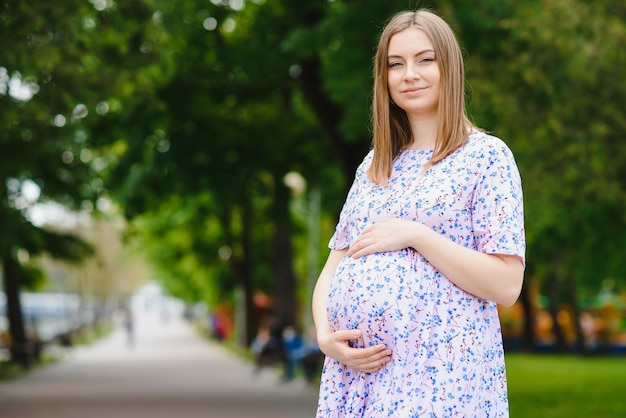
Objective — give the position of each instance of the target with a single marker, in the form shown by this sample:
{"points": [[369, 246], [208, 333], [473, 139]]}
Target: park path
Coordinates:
{"points": [[169, 372]]}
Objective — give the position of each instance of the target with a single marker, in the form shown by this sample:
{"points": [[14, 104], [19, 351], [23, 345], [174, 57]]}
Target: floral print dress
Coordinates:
{"points": [[447, 356]]}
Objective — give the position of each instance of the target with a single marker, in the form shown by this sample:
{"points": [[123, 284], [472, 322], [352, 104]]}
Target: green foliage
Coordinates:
{"points": [[69, 56], [189, 114], [60, 63], [181, 241], [32, 277], [541, 82], [350, 33]]}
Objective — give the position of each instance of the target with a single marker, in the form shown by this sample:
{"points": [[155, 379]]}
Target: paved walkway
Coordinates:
{"points": [[168, 373]]}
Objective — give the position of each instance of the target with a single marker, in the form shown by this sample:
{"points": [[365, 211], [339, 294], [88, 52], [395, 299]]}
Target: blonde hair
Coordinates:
{"points": [[391, 128]]}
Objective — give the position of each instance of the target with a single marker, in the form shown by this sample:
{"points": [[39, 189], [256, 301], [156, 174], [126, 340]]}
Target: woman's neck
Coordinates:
{"points": [[424, 131]]}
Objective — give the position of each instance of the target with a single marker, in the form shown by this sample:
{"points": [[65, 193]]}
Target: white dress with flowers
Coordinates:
{"points": [[447, 355]]}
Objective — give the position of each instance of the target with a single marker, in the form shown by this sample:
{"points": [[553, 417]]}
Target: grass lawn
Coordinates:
{"points": [[549, 386]]}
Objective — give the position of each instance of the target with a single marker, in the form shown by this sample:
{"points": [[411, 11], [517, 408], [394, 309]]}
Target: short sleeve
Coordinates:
{"points": [[341, 238], [498, 212]]}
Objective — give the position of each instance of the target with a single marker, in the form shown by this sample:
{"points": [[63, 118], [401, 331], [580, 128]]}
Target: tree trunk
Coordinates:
{"points": [[572, 300], [329, 115], [242, 268], [246, 277], [21, 348], [285, 291], [285, 279], [553, 296], [528, 335]]}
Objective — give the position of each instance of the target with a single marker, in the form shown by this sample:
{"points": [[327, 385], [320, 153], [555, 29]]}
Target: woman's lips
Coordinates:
{"points": [[414, 90]]}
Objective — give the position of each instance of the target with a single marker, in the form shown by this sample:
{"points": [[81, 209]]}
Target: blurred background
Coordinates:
{"points": [[204, 148]]}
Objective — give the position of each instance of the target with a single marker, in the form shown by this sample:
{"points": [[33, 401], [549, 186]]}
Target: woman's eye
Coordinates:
{"points": [[427, 59], [394, 64]]}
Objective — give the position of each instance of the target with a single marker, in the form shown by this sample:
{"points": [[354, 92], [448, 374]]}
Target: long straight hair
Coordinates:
{"points": [[391, 128]]}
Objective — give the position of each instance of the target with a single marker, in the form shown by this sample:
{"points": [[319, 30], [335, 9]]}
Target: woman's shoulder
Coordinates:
{"points": [[486, 144], [366, 163]]}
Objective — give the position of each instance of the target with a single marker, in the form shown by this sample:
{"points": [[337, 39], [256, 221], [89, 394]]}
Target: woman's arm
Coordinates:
{"points": [[494, 277], [321, 290], [336, 344]]}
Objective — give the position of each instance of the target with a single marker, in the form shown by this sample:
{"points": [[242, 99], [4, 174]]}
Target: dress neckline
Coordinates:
{"points": [[418, 151]]}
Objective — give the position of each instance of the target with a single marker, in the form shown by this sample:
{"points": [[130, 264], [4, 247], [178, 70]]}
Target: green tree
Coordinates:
{"points": [[545, 76], [57, 63], [190, 115], [203, 136]]}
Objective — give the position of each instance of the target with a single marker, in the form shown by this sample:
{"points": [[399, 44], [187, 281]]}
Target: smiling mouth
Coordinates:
{"points": [[415, 90]]}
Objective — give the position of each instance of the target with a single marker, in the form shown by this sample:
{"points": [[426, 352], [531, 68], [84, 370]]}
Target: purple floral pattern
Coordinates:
{"points": [[447, 355]]}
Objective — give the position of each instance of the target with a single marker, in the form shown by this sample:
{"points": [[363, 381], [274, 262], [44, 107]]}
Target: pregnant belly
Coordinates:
{"points": [[389, 296]]}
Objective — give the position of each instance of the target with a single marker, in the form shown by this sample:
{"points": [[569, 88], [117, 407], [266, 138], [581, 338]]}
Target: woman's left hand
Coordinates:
{"points": [[384, 235]]}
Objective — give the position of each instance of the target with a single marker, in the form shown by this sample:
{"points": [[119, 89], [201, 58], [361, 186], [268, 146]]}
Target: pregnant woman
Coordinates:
{"points": [[429, 240]]}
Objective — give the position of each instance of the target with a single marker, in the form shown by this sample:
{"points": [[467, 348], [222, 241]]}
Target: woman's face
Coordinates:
{"points": [[413, 74]]}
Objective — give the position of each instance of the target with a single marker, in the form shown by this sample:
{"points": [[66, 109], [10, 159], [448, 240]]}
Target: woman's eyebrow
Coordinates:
{"points": [[416, 55]]}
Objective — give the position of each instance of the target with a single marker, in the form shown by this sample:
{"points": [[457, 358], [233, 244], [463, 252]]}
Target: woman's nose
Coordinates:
{"points": [[411, 72]]}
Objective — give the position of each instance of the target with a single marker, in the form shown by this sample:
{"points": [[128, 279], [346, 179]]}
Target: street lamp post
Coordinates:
{"points": [[311, 210]]}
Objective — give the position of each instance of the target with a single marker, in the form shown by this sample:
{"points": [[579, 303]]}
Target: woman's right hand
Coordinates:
{"points": [[336, 344]]}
